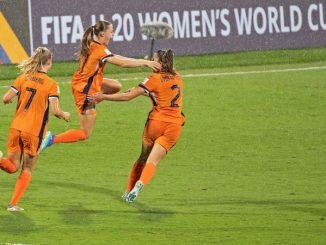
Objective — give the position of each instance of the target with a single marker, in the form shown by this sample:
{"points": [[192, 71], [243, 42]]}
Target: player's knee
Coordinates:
{"points": [[111, 88]]}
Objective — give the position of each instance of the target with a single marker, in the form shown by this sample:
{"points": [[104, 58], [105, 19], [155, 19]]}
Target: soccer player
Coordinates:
{"points": [[88, 79], [164, 122], [36, 92]]}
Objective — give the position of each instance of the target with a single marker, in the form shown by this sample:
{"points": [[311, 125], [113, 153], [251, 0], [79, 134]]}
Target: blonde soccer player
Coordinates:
{"points": [[37, 93]]}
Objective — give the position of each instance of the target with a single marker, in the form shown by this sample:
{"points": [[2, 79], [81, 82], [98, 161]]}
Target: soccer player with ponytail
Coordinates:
{"points": [[88, 79], [164, 122], [37, 93]]}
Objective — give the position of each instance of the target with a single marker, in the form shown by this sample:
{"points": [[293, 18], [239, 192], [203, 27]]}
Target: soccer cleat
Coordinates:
{"points": [[1, 155], [124, 195], [134, 192], [14, 208], [47, 141]]}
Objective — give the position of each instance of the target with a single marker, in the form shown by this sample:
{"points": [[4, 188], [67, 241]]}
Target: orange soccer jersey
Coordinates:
{"points": [[89, 76], [32, 110], [165, 90], [88, 79]]}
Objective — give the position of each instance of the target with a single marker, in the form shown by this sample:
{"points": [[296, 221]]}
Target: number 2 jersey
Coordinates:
{"points": [[34, 92], [165, 91]]}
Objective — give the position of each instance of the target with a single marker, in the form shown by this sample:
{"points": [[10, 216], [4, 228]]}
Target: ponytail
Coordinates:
{"points": [[85, 42], [166, 59], [88, 37]]}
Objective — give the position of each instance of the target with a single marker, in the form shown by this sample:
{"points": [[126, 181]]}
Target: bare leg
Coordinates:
{"points": [[110, 86], [157, 154], [87, 123]]}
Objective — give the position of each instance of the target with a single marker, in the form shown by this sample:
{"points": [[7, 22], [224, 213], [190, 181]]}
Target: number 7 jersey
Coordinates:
{"points": [[165, 91], [32, 109]]}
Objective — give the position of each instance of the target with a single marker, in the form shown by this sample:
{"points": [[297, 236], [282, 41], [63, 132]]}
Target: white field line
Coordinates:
{"points": [[235, 73]]}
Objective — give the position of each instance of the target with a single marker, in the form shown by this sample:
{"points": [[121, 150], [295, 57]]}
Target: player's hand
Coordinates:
{"points": [[66, 116], [154, 65], [96, 98], [7, 102]]}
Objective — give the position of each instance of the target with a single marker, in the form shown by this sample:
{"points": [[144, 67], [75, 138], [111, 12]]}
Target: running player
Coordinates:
{"points": [[164, 123], [36, 92]]}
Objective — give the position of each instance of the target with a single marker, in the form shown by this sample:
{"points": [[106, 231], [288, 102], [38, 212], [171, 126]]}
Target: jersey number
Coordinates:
{"points": [[33, 92], [174, 87]]}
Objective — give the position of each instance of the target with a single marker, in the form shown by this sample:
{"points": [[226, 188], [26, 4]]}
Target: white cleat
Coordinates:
{"points": [[124, 195], [132, 196], [14, 208]]}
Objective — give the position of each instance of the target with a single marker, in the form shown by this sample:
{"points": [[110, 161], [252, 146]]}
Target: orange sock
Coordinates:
{"points": [[148, 173], [20, 187], [8, 166], [135, 173], [69, 136]]}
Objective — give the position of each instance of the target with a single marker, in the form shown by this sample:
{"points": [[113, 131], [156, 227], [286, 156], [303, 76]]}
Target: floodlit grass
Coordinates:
{"points": [[249, 167], [212, 61]]}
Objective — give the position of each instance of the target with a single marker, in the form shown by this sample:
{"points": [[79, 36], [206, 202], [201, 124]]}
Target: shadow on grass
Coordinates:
{"points": [[313, 207], [79, 215], [12, 223]]}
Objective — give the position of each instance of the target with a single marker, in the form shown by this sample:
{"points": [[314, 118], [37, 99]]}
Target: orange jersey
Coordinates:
{"points": [[165, 90], [88, 78], [32, 110]]}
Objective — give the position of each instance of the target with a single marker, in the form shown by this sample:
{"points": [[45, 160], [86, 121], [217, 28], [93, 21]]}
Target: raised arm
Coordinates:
{"points": [[130, 62], [126, 96], [55, 109]]}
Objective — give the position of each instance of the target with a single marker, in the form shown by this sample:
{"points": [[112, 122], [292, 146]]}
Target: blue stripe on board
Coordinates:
{"points": [[4, 59]]}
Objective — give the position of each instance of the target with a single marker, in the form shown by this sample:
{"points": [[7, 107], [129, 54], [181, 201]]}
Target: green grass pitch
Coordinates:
{"points": [[249, 167]]}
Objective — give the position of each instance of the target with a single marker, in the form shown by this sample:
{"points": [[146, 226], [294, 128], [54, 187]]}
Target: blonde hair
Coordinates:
{"points": [[35, 63]]}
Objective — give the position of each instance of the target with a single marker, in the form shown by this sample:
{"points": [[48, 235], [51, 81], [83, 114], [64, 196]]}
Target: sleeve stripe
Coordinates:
{"points": [[14, 89], [105, 58], [144, 87], [53, 97]]}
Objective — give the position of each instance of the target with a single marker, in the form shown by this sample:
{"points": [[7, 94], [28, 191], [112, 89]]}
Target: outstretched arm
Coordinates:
{"points": [[130, 62], [126, 96]]}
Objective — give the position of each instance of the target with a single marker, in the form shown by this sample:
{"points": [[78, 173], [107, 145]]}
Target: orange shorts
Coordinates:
{"points": [[19, 141], [164, 133], [82, 104]]}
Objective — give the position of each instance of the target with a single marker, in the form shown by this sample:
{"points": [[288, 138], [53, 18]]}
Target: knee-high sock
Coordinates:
{"points": [[70, 136], [20, 187], [8, 166], [135, 173], [148, 173]]}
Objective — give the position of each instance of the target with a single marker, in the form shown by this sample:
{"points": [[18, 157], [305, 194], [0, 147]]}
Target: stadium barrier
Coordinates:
{"points": [[200, 27]]}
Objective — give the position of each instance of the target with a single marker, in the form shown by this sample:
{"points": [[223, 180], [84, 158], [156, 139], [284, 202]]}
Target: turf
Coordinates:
{"points": [[249, 167]]}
